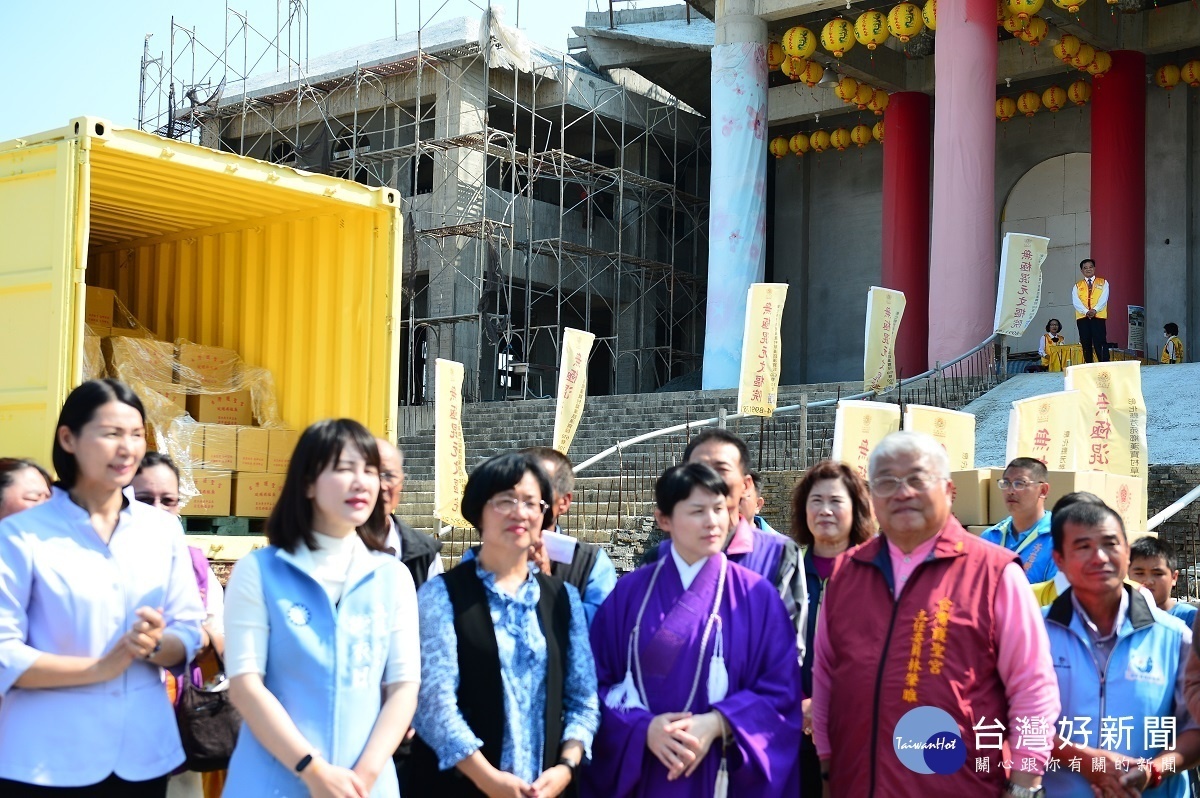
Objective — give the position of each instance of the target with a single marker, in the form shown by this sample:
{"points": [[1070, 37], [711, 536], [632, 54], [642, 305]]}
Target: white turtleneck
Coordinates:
{"points": [[687, 573]]}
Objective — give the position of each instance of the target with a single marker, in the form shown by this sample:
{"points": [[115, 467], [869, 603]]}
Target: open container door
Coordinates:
{"points": [[43, 238]]}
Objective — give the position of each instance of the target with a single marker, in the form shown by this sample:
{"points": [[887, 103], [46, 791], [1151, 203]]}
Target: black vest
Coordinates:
{"points": [[417, 551], [480, 688], [579, 569]]}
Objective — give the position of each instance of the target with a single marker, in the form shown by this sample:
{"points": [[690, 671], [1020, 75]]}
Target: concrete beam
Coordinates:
{"points": [[1170, 28], [1092, 24], [774, 10], [608, 52], [798, 103]]}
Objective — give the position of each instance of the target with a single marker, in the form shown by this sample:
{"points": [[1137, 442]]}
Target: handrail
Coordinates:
{"points": [[646, 436], [1171, 511]]}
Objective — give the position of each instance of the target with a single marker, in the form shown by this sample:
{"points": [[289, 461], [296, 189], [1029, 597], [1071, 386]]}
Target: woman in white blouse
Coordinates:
{"points": [[96, 596], [321, 632]]}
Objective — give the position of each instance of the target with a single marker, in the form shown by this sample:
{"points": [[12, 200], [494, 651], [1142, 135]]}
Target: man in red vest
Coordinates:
{"points": [[939, 650]]}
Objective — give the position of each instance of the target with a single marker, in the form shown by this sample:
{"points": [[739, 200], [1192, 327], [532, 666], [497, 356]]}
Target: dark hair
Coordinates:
{"points": [[1078, 497], [756, 478], [319, 447], [1082, 513], [79, 409], [862, 528], [1086, 260], [1034, 466], [153, 459], [11, 466], [1171, 328], [720, 435], [498, 474], [1054, 321], [563, 478], [1151, 547], [677, 483]]}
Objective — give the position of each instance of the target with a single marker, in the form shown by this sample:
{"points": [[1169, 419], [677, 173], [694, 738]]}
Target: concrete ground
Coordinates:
{"points": [[1172, 405]]}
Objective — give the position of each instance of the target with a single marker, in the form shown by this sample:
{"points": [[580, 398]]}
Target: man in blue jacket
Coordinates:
{"points": [[1026, 532], [1120, 662]]}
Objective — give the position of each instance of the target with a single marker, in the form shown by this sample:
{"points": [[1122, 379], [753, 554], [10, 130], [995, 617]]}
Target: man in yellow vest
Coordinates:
{"points": [[1091, 309]]}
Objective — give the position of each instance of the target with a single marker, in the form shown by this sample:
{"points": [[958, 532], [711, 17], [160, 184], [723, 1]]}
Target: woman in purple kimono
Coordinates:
{"points": [[697, 666]]}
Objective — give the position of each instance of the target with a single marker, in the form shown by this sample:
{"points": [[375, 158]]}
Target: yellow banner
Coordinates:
{"points": [[1020, 292], [1127, 495], [885, 308], [1049, 428], [858, 428], [758, 390], [449, 451], [1115, 412], [953, 429], [572, 386]]}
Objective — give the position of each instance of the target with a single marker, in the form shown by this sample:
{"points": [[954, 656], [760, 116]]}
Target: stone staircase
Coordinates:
{"points": [[614, 498]]}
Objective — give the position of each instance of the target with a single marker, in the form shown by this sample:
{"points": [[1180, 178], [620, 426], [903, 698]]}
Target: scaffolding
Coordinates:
{"points": [[538, 194]]}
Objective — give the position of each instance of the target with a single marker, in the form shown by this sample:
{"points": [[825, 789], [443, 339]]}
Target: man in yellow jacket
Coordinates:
{"points": [[1091, 309]]}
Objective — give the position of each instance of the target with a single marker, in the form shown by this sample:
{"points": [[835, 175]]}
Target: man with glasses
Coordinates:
{"points": [[942, 623], [1026, 531], [420, 553]]}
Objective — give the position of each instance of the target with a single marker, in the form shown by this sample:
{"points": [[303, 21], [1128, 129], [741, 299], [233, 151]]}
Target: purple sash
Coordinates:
{"points": [[679, 632]]}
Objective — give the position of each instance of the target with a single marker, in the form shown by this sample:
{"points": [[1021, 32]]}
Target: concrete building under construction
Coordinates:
{"points": [[539, 194]]}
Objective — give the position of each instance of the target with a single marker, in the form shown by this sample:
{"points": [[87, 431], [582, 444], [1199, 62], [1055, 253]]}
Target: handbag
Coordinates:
{"points": [[208, 723]]}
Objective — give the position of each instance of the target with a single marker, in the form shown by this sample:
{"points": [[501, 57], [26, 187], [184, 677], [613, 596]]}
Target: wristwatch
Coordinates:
{"points": [[569, 764], [1017, 791]]}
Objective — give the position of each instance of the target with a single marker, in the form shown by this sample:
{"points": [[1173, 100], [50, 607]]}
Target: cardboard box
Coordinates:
{"points": [[1061, 483], [220, 447], [235, 408], [979, 529], [98, 306], [194, 445], [971, 491], [280, 445], [1127, 495], [177, 398], [215, 367], [136, 332], [254, 495], [252, 444], [216, 492], [139, 359]]}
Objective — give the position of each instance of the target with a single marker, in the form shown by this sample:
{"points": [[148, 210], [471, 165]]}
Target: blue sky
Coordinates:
{"points": [[72, 58]]}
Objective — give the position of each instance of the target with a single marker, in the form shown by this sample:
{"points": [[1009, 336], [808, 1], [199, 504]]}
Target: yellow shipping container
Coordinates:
{"points": [[299, 273]]}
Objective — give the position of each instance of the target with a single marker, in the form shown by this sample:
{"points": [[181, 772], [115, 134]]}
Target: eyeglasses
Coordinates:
{"points": [[887, 486], [1017, 484], [507, 505], [159, 501]]}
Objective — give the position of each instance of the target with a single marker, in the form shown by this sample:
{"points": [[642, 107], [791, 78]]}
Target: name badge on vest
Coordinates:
{"points": [[1143, 668], [298, 614]]}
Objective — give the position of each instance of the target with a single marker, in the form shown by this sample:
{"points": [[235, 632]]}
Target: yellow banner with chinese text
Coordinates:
{"points": [[758, 389], [858, 428], [885, 308], [572, 386], [1115, 411], [1048, 428], [953, 429], [449, 451], [1020, 292]]}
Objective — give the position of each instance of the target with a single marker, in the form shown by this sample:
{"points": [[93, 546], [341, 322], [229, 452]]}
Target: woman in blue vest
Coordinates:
{"points": [[321, 632], [522, 717]]}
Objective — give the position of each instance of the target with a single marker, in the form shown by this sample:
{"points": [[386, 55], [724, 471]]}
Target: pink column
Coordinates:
{"points": [[906, 221], [962, 269], [1119, 187]]}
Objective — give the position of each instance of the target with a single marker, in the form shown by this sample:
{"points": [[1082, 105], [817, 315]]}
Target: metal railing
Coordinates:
{"points": [[939, 385]]}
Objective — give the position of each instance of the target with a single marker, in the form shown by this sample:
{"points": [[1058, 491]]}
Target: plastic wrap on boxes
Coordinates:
{"points": [[93, 357]]}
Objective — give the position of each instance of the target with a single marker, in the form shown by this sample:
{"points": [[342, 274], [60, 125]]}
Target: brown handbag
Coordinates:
{"points": [[208, 722]]}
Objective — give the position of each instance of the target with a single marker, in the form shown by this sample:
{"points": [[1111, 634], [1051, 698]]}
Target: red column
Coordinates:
{"points": [[1119, 186], [962, 256], [906, 140]]}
